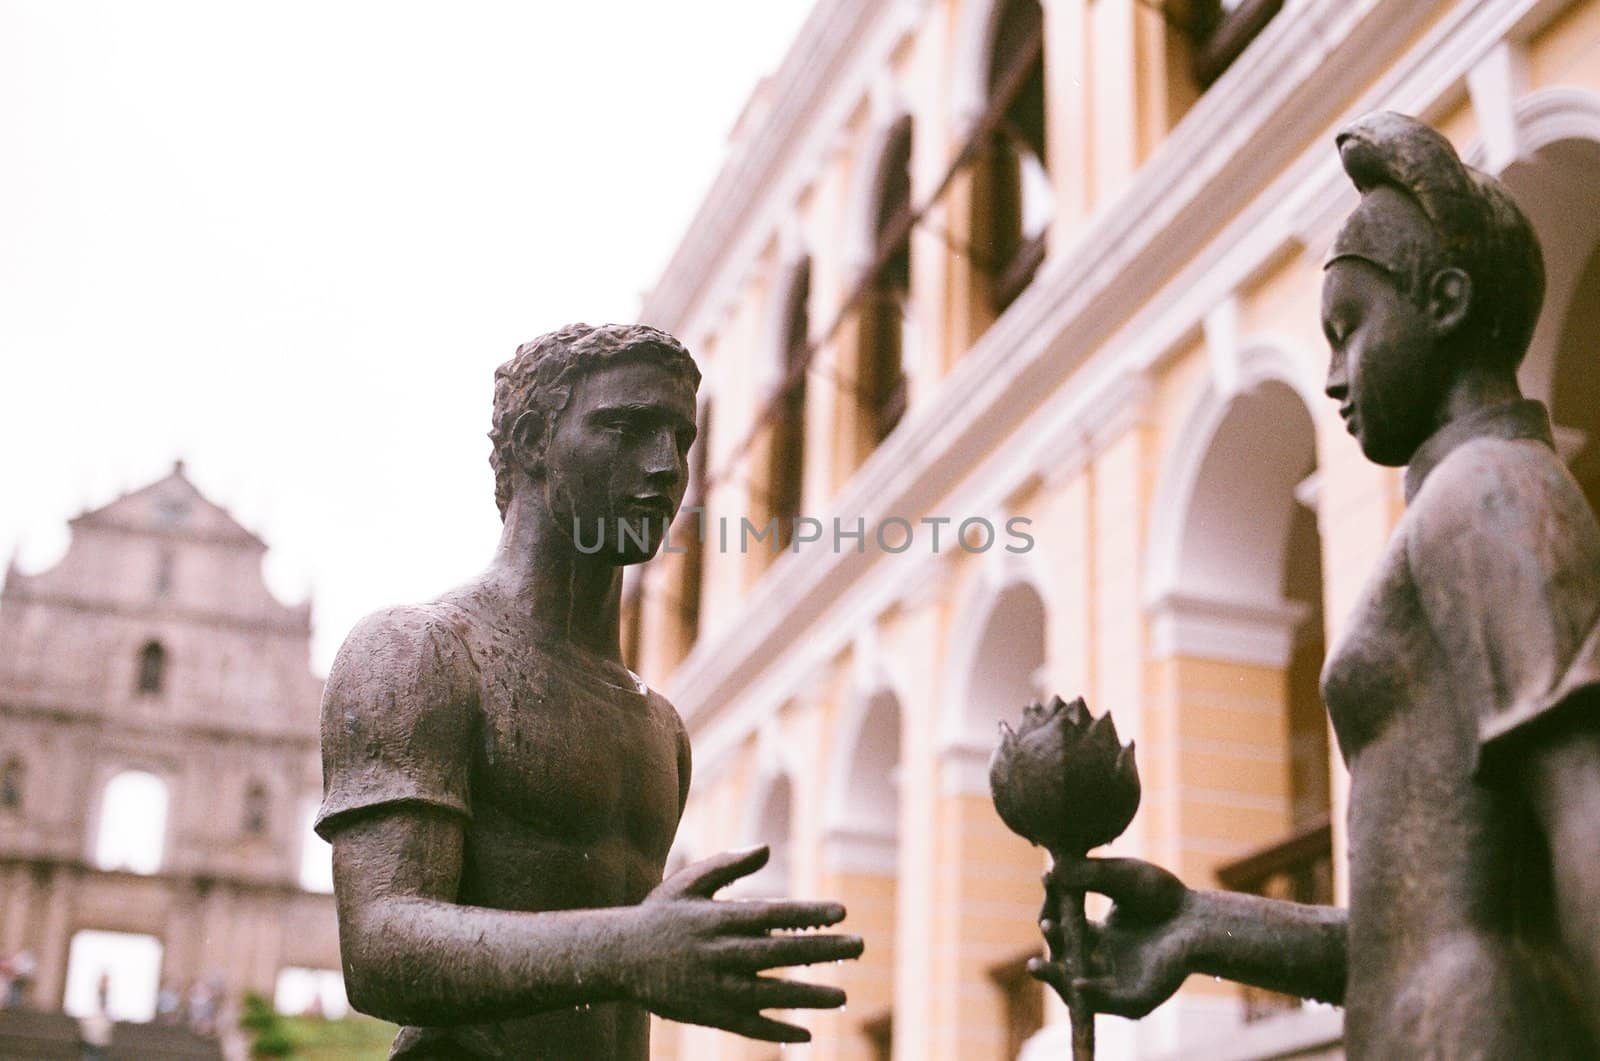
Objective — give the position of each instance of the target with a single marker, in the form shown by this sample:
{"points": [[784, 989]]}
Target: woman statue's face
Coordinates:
{"points": [[1386, 370]]}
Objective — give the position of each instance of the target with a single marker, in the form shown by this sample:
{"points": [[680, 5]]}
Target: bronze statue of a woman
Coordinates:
{"points": [[1465, 690]]}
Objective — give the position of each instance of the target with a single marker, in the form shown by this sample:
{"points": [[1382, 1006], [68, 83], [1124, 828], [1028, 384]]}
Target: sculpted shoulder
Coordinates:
{"points": [[1516, 493], [411, 650]]}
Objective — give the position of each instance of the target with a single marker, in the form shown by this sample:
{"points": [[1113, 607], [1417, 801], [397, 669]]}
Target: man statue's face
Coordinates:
{"points": [[619, 451]]}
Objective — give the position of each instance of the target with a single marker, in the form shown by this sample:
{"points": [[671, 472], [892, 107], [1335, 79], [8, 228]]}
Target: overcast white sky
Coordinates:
{"points": [[289, 243]]}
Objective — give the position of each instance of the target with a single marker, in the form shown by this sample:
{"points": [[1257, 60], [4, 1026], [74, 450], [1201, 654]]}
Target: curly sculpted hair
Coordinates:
{"points": [[538, 379]]}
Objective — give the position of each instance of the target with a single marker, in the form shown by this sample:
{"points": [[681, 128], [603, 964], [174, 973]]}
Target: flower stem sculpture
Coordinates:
{"points": [[1064, 781]]}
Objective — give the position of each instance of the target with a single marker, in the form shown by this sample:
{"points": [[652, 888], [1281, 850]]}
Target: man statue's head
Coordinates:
{"points": [[1436, 273], [599, 419]]}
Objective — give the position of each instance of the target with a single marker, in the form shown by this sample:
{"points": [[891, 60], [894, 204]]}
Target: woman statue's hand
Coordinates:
{"points": [[1141, 953]]}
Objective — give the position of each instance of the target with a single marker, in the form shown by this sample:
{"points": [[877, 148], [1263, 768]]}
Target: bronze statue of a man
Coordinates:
{"points": [[1464, 690], [501, 791]]}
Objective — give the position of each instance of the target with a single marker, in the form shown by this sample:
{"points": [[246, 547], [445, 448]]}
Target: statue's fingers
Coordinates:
{"points": [[1048, 972], [755, 1026], [1050, 929], [1129, 881], [767, 992], [765, 915], [754, 953], [1106, 995], [705, 878]]}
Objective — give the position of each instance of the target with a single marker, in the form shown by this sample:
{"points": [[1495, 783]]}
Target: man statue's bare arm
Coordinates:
{"points": [[680, 953]]}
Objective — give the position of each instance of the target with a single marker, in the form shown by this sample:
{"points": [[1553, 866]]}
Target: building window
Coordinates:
{"points": [[152, 668], [881, 383], [255, 809], [12, 779], [786, 455], [1012, 198], [164, 565], [1218, 31], [133, 823]]}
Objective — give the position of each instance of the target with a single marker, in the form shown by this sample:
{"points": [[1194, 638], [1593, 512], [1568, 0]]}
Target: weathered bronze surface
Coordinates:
{"points": [[501, 791], [1464, 690]]}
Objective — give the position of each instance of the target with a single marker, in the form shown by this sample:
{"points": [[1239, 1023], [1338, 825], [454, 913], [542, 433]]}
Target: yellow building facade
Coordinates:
{"points": [[1040, 281]]}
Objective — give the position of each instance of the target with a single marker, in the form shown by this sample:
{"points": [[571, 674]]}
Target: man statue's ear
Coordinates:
{"points": [[526, 437], [1449, 299]]}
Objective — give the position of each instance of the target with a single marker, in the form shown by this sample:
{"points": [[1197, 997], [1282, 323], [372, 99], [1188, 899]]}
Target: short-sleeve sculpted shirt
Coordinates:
{"points": [[565, 783], [1477, 634]]}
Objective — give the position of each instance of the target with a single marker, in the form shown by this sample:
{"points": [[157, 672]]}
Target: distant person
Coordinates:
{"points": [[94, 1036], [23, 966], [202, 1008], [168, 1004]]}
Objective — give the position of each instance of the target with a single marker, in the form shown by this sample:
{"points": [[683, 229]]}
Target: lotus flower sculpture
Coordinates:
{"points": [[1064, 781]]}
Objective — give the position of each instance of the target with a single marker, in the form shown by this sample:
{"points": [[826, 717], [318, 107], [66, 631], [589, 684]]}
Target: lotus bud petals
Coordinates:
{"points": [[1063, 779]]}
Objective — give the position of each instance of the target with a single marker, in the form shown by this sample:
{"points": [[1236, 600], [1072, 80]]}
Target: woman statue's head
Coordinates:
{"points": [[1436, 275]]}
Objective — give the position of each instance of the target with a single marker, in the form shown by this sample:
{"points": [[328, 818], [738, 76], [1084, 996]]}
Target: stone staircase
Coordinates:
{"points": [[34, 1035]]}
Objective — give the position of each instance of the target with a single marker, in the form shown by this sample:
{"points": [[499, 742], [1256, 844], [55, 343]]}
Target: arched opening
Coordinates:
{"points": [[1240, 635], [994, 874], [133, 823], [872, 786], [13, 784], [152, 668], [1555, 187], [787, 444], [863, 855], [773, 826], [1005, 665], [256, 801], [1575, 395], [881, 378], [1012, 198]]}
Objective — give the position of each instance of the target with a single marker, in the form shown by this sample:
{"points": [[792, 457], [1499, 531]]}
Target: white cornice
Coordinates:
{"points": [[1163, 236], [1195, 627]]}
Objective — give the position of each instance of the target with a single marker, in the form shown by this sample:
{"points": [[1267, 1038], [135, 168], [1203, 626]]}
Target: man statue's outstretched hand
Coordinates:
{"points": [[698, 960]]}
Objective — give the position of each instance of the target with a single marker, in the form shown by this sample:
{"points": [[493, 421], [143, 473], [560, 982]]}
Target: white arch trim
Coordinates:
{"points": [[1538, 119], [1185, 619], [1554, 114]]}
